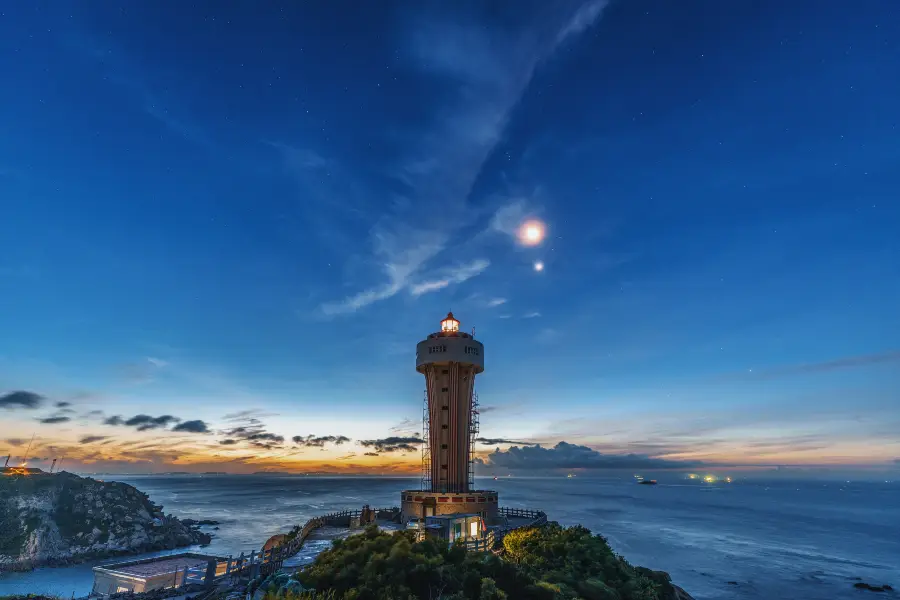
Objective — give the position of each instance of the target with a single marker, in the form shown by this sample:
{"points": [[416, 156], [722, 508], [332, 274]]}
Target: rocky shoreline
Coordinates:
{"points": [[61, 519]]}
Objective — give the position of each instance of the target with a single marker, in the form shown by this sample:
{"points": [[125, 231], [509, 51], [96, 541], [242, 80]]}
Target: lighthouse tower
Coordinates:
{"points": [[449, 359]]}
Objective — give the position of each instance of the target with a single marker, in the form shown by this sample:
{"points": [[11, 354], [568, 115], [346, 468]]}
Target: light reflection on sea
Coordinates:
{"points": [[774, 540]]}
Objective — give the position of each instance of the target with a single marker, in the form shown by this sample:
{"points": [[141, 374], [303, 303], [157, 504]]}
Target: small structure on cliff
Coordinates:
{"points": [[154, 573]]}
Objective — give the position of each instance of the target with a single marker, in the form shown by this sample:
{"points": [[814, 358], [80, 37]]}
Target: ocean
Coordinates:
{"points": [[775, 540]]}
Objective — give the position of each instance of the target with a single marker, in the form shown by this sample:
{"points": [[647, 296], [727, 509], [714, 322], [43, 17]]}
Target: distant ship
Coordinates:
{"points": [[647, 482], [570, 475]]}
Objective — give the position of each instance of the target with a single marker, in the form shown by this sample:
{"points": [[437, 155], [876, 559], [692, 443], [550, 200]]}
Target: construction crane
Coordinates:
{"points": [[27, 450]]}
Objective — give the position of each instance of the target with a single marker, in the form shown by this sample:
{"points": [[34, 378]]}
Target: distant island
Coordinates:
{"points": [[61, 518]]}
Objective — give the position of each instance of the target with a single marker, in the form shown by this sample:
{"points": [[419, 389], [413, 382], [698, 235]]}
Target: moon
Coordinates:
{"points": [[531, 233]]}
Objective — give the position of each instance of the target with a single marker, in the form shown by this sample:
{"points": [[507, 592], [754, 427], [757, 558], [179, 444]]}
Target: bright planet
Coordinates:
{"points": [[531, 233]]}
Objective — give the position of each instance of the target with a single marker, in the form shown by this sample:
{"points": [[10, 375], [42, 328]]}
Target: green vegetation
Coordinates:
{"points": [[546, 563], [12, 534]]}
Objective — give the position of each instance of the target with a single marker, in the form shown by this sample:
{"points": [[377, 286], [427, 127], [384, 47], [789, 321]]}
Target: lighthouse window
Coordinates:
{"points": [[434, 349], [445, 371], [445, 389], [443, 427], [443, 446], [445, 407], [472, 350]]}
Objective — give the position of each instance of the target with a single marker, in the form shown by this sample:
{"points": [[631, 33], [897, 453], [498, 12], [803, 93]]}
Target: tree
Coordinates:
{"points": [[542, 563]]}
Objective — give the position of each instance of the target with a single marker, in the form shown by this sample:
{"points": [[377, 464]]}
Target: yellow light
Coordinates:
{"points": [[728, 480], [692, 476], [531, 233], [450, 324], [709, 479]]}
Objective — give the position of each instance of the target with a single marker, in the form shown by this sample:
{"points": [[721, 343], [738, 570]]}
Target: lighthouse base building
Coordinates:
{"points": [[449, 359], [418, 504]]}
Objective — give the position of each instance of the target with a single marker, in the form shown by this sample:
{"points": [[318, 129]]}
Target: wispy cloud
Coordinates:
{"points": [[130, 76], [494, 302], [253, 413], [838, 364], [143, 371], [457, 274], [90, 439], [486, 73], [312, 441], [54, 419], [403, 254], [406, 426], [583, 18], [495, 441], [510, 216]]}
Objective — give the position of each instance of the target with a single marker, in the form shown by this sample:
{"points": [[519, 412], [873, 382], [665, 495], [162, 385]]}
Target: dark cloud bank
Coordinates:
{"points": [[571, 456], [493, 441], [55, 419], [393, 444], [147, 423], [21, 399], [312, 441], [196, 426]]}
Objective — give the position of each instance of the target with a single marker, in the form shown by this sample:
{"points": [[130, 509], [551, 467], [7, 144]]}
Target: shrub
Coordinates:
{"points": [[545, 563]]}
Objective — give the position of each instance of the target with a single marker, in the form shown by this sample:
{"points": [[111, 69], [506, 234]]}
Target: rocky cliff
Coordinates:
{"points": [[62, 518]]}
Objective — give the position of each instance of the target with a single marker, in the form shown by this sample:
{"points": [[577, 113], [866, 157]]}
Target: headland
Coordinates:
{"points": [[53, 519]]}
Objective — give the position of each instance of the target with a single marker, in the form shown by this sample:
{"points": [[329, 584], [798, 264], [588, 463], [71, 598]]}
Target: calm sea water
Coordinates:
{"points": [[773, 540]]}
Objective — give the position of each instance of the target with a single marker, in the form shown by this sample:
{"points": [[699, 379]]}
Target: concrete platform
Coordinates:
{"points": [[321, 539], [149, 574]]}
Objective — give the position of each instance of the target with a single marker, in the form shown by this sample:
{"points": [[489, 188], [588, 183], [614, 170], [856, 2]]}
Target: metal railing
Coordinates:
{"points": [[493, 537], [265, 562]]}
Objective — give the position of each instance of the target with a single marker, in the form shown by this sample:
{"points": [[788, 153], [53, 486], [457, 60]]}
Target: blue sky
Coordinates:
{"points": [[211, 209]]}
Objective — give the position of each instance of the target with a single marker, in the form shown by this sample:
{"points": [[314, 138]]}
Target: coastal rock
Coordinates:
{"points": [[60, 518]]}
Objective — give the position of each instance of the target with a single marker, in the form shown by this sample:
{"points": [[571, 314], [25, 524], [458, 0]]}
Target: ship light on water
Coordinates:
{"points": [[710, 479], [692, 476]]}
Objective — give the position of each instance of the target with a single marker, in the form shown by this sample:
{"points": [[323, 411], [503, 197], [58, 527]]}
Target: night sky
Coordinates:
{"points": [[224, 228]]}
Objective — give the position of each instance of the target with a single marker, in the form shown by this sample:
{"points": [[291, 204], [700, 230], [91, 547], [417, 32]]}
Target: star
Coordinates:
{"points": [[538, 266]]}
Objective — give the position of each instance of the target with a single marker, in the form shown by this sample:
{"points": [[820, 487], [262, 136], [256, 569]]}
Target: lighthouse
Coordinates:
{"points": [[449, 359]]}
